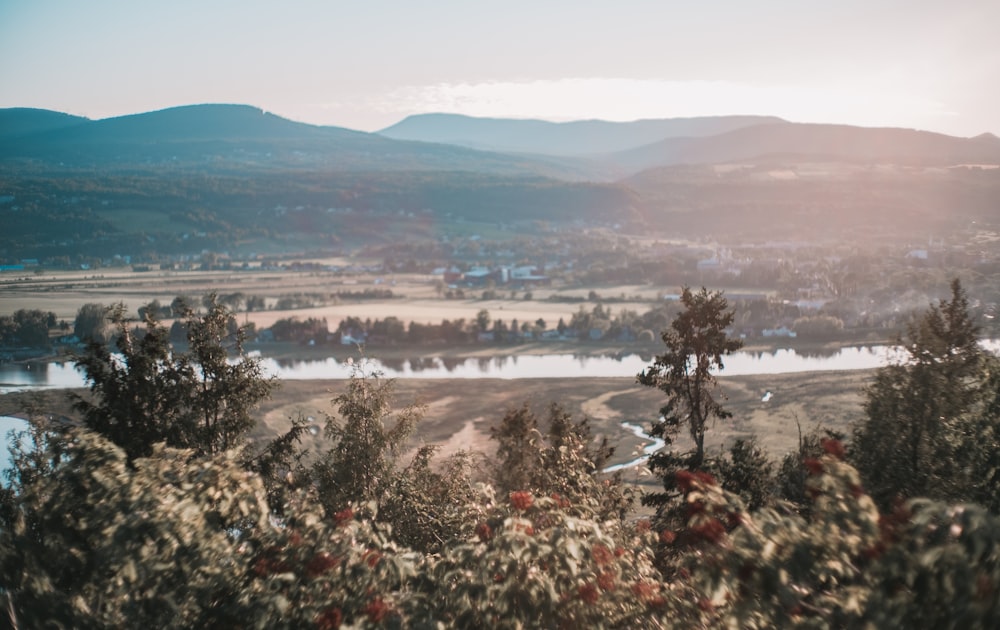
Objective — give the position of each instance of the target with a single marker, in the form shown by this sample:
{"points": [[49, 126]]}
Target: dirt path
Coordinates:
{"points": [[598, 409]]}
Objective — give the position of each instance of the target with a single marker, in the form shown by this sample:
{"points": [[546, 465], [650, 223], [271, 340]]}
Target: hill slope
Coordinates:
{"points": [[24, 121], [812, 142], [577, 138], [229, 137]]}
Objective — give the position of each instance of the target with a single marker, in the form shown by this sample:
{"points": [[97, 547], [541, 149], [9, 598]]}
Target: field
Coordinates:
{"points": [[415, 297]]}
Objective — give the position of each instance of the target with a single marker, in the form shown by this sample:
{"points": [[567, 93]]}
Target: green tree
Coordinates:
{"points": [[155, 308], [26, 327], [225, 391], [566, 460], [433, 505], [483, 320], [924, 431], [255, 303], [748, 472], [792, 475], [233, 300], [91, 322], [100, 542], [361, 466], [145, 392], [519, 450], [696, 343]]}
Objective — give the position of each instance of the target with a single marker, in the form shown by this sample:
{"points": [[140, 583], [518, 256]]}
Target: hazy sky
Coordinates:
{"points": [[927, 64]]}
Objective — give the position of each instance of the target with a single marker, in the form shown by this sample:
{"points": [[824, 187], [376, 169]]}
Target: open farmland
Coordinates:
{"points": [[415, 297]]}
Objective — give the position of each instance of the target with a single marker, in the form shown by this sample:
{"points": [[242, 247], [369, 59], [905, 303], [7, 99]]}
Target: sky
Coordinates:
{"points": [[367, 64]]}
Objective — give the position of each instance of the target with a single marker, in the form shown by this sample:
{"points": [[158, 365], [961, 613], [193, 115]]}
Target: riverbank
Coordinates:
{"points": [[458, 413]]}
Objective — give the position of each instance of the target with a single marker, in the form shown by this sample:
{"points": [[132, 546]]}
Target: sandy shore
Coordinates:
{"points": [[458, 413]]}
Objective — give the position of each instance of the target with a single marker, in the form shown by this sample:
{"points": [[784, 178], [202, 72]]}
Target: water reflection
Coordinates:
{"points": [[38, 375], [19, 376], [579, 365]]}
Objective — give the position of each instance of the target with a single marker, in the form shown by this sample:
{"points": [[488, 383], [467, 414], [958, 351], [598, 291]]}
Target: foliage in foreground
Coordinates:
{"points": [[143, 391], [932, 425], [186, 540]]}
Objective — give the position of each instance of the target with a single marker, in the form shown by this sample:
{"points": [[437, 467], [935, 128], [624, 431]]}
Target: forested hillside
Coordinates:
{"points": [[231, 178]]}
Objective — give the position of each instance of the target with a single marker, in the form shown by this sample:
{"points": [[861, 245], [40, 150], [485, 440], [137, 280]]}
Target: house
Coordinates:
{"points": [[781, 331], [477, 276]]}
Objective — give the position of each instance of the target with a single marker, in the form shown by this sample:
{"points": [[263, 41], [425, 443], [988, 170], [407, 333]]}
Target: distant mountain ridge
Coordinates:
{"points": [[23, 121], [155, 181], [196, 122], [576, 138], [811, 142], [237, 136], [233, 137]]}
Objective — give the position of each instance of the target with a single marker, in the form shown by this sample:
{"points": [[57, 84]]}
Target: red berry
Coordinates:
{"points": [[521, 500], [834, 448], [329, 619], [589, 593], [376, 610], [814, 466], [484, 531], [344, 516]]}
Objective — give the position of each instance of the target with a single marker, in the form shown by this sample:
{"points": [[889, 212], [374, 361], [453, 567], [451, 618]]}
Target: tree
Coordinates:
{"points": [[696, 343], [482, 320], [26, 328], [101, 542], [747, 472], [155, 308], [255, 303], [925, 432], [225, 392], [360, 467], [519, 450], [91, 322], [180, 306], [144, 392], [566, 461], [233, 300]]}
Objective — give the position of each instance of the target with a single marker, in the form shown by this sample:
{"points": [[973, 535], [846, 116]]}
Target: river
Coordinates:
{"points": [[653, 446], [42, 375]]}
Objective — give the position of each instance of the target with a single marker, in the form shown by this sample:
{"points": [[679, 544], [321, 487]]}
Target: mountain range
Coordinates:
{"points": [[577, 138], [247, 137], [233, 170], [239, 137]]}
